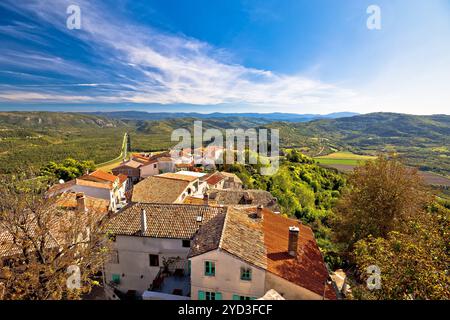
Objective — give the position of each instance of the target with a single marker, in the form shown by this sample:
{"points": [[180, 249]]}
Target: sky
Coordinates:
{"points": [[226, 55]]}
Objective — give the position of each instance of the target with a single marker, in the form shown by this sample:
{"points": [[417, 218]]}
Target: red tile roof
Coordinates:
{"points": [[122, 178], [102, 175], [215, 178], [308, 269]]}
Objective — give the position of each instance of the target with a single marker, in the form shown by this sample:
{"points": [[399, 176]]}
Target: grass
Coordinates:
{"points": [[343, 157]]}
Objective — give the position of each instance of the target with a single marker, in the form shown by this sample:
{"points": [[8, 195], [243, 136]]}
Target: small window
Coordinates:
{"points": [[186, 243], [246, 274], [238, 297], [208, 295], [116, 278], [210, 268], [154, 166], [154, 260]]}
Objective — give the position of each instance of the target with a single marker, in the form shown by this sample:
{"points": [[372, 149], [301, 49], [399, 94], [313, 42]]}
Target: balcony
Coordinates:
{"points": [[173, 279]]}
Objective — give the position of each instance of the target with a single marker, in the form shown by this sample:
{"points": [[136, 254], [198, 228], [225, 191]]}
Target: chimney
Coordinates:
{"points": [[205, 198], [143, 221], [81, 202], [259, 211], [293, 241]]}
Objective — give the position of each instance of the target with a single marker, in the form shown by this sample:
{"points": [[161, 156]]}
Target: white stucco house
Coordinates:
{"points": [[98, 184], [247, 252], [151, 245]]}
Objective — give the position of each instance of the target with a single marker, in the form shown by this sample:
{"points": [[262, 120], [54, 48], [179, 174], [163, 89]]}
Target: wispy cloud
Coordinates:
{"points": [[144, 65]]}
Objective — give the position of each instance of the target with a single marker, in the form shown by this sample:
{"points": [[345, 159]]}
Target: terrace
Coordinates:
{"points": [[173, 278]]}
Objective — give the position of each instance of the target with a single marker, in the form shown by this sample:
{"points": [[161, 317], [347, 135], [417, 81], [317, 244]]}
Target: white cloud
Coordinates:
{"points": [[174, 69]]}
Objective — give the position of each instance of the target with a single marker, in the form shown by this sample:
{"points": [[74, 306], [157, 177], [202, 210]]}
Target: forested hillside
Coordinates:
{"points": [[37, 137]]}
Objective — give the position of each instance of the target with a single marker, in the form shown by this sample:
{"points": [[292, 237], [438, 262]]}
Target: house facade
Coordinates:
{"points": [[99, 185], [150, 254], [247, 252]]}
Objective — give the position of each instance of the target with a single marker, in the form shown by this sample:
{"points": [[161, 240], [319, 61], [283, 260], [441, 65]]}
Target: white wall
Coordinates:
{"points": [[228, 276], [134, 260], [149, 170]]}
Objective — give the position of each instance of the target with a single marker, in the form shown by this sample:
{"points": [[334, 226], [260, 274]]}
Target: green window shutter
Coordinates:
{"points": [[253, 298], [201, 295], [236, 297], [116, 278], [246, 273], [218, 295], [210, 268]]}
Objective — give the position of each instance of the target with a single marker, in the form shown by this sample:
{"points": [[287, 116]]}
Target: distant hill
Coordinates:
{"points": [[267, 117], [54, 120], [423, 141], [38, 137]]}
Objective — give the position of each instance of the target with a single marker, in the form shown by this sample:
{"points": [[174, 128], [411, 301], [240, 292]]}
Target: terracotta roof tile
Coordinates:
{"points": [[102, 175], [158, 190], [308, 269], [163, 220], [215, 178], [177, 176], [122, 178], [250, 197], [263, 242]]}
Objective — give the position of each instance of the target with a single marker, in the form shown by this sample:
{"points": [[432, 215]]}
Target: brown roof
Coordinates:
{"points": [[198, 201], [102, 175], [93, 184], [130, 164], [238, 234], [177, 176], [69, 201], [308, 269], [163, 220], [158, 190], [214, 178], [251, 197], [232, 176], [122, 178], [264, 243], [244, 238], [208, 236]]}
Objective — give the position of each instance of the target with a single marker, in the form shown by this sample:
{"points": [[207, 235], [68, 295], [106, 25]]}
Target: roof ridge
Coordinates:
{"points": [[223, 228]]}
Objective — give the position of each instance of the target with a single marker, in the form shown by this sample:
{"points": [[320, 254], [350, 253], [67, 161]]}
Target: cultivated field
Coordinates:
{"points": [[342, 159]]}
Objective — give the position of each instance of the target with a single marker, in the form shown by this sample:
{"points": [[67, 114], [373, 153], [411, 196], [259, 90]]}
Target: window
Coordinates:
{"points": [[154, 260], [246, 274], [154, 166], [210, 268], [238, 297], [186, 243], [116, 278], [208, 295]]}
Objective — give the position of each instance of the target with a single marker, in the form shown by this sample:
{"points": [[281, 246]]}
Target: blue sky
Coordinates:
{"points": [[226, 55]]}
